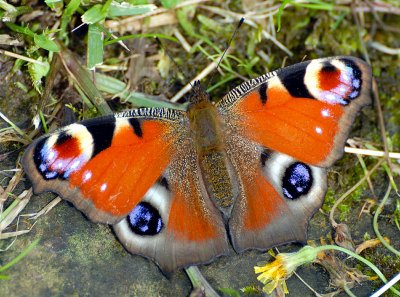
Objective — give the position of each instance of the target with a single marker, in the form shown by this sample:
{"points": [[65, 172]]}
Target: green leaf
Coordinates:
{"points": [[72, 6], [97, 13], [148, 35], [18, 258], [93, 15], [95, 46], [111, 85], [55, 5], [279, 13], [186, 24], [169, 3], [125, 9], [43, 41], [40, 40], [20, 29], [37, 72], [230, 292]]}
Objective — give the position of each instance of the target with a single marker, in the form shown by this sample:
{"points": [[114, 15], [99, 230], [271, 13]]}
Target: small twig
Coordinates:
{"points": [[18, 130], [24, 198], [307, 285], [383, 48], [13, 234], [10, 187], [206, 71], [186, 46], [198, 281], [17, 56], [366, 152], [47, 208]]}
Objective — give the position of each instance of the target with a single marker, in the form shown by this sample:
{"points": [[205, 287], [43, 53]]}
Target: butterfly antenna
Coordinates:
{"points": [[170, 57], [227, 47]]}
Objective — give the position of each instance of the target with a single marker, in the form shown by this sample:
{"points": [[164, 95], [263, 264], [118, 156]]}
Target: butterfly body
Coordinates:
{"points": [[183, 187], [207, 134]]}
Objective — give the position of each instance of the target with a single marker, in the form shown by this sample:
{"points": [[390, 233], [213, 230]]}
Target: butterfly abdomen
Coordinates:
{"points": [[216, 170]]}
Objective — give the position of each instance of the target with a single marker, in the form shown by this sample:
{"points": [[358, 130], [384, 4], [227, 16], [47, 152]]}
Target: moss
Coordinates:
{"points": [[91, 242]]}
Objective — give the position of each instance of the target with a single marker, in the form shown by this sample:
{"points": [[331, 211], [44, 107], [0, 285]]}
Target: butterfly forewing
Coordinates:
{"points": [[103, 166], [304, 110]]}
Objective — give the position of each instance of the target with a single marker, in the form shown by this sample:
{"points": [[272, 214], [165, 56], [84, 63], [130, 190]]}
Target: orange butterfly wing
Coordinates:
{"points": [[194, 231], [281, 128], [113, 169], [305, 110], [103, 166]]}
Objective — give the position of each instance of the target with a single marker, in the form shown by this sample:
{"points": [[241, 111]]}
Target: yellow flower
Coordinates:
{"points": [[273, 275]]}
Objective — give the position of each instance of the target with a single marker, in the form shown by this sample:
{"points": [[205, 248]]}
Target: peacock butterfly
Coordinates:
{"points": [[181, 187]]}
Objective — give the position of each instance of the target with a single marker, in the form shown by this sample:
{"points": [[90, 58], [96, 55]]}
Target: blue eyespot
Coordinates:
{"points": [[297, 180], [145, 219]]}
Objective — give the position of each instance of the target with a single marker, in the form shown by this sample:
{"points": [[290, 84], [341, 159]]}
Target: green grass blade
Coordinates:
{"points": [[126, 9], [132, 36], [83, 79], [113, 86], [9, 209], [93, 15], [95, 46], [18, 258], [71, 8]]}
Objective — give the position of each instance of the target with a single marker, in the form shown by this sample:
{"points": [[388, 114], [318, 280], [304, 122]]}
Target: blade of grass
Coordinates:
{"points": [[82, 78], [43, 121], [96, 13], [15, 127], [375, 223], [72, 6], [41, 40], [113, 86], [127, 9], [23, 254], [8, 209], [95, 46], [132, 36]]}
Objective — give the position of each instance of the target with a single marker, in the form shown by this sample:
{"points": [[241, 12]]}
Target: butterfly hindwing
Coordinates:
{"points": [[279, 195], [190, 229]]}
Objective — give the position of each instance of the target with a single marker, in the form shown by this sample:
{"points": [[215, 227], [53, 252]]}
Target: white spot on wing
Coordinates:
{"points": [[86, 176], [103, 187], [318, 130], [325, 113]]}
